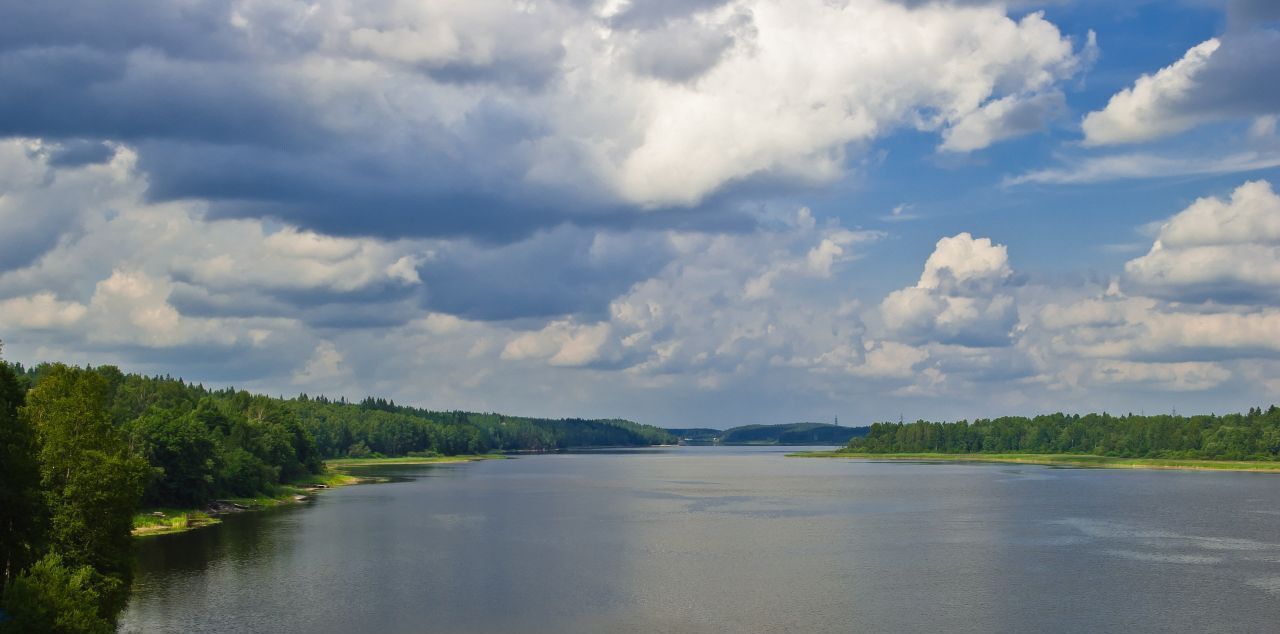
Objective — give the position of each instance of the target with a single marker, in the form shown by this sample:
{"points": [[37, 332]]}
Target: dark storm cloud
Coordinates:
{"points": [[82, 92], [80, 152], [315, 309], [21, 248], [1240, 77], [217, 363], [657, 13], [1224, 290], [179, 28], [1243, 12], [235, 135], [209, 122], [567, 271]]}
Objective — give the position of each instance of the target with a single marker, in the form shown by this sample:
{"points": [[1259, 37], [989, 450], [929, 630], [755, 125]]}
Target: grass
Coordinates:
{"points": [[1069, 460], [343, 463], [166, 521]]}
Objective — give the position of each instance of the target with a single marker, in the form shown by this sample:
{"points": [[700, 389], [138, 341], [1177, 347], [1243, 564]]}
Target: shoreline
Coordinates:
{"points": [[170, 521], [1061, 460], [346, 463]]}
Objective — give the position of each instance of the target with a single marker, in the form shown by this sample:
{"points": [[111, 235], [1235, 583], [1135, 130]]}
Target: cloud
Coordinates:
{"points": [[1169, 376], [38, 203], [711, 316], [685, 49], [1145, 329], [551, 274], [814, 109], [494, 120], [1002, 119], [902, 212], [889, 359], [39, 311], [86, 234], [77, 152], [323, 369], [1221, 78], [1102, 169], [1247, 12], [725, 307], [568, 206], [1225, 251], [1151, 108], [959, 299], [244, 255], [1195, 312], [561, 343]]}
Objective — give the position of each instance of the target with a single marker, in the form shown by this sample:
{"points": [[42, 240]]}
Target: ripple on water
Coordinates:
{"points": [[1164, 558], [1270, 585]]}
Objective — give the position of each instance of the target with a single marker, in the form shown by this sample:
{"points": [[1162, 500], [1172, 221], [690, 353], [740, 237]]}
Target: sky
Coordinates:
{"points": [[681, 212]]}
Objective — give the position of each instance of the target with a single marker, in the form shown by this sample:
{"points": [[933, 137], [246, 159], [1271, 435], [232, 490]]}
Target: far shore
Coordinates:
{"points": [[167, 521], [1064, 460]]}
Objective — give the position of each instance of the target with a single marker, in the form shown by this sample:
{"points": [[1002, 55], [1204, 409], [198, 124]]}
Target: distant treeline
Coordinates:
{"points": [[1254, 435], [790, 434], [380, 427], [781, 434]]}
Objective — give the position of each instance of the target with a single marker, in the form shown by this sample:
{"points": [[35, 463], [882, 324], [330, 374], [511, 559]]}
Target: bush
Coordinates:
{"points": [[51, 598]]}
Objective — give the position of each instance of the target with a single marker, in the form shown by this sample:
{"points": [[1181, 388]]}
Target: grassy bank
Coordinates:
{"points": [[344, 463], [1066, 460], [166, 521]]}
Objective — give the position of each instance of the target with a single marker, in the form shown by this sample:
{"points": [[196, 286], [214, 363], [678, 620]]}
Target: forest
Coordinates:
{"points": [[1253, 435], [83, 449], [377, 426]]}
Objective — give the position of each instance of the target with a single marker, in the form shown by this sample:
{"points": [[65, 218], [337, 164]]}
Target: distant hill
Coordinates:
{"points": [[784, 434]]}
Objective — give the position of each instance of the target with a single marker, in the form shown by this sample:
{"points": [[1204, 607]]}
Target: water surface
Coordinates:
{"points": [[711, 539]]}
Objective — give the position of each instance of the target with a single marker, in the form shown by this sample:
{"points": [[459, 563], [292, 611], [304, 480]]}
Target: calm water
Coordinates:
{"points": [[728, 540]]}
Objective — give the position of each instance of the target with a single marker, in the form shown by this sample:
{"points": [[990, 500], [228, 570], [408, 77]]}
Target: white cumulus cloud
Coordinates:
{"points": [[1215, 249], [1152, 107]]}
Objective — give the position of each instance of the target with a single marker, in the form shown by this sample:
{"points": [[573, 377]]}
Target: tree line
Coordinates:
{"points": [[1253, 435], [377, 426], [82, 449]]}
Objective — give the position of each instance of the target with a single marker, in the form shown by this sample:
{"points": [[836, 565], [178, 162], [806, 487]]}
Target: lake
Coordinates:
{"points": [[722, 539]]}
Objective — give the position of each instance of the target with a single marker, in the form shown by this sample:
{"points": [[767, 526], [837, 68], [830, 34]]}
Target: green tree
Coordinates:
{"points": [[91, 482], [21, 508], [182, 454], [53, 598]]}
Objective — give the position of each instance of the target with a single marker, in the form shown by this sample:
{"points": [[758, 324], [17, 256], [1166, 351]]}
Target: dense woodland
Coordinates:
{"points": [[380, 427], [82, 449], [1254, 435]]}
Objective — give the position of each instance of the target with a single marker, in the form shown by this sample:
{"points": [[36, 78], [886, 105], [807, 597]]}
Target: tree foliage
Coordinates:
{"points": [[1254, 435], [21, 507], [54, 598], [90, 480], [380, 427]]}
